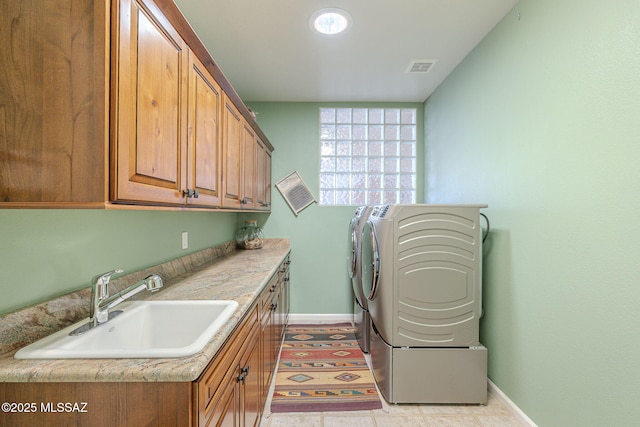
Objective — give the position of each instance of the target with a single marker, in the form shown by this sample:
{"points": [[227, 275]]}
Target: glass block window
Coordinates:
{"points": [[367, 156]]}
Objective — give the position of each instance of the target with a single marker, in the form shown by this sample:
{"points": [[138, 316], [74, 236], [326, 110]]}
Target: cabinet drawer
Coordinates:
{"points": [[283, 270], [267, 294], [222, 370]]}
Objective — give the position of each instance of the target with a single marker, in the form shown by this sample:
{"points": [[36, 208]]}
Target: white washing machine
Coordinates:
{"points": [[422, 275], [360, 320]]}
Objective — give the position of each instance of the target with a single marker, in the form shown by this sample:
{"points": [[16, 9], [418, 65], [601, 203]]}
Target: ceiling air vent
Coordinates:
{"points": [[421, 65]]}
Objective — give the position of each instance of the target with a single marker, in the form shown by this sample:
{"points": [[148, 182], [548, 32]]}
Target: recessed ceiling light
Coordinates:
{"points": [[330, 21]]}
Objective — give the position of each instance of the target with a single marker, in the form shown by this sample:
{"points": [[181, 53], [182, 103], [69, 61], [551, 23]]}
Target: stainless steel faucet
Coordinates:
{"points": [[102, 303], [100, 292]]}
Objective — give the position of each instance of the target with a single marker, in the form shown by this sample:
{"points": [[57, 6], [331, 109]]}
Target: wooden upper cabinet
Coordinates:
{"points": [[112, 103], [204, 136], [150, 107], [53, 103], [263, 176], [231, 155], [248, 200]]}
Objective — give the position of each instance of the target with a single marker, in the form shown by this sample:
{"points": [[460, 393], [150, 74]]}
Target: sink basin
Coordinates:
{"points": [[144, 329]]}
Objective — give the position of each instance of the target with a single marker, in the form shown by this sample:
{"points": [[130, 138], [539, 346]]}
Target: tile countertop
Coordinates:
{"points": [[237, 275]]}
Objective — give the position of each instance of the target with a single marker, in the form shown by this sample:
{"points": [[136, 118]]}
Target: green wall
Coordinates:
{"points": [[49, 252], [542, 122], [319, 234]]}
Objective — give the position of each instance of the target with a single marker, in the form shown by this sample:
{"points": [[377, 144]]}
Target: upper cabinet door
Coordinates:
{"points": [[231, 155], [150, 105], [53, 93], [263, 176], [248, 199], [205, 110]]}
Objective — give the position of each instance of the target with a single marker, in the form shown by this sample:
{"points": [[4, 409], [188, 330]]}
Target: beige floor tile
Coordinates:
{"points": [[447, 409], [493, 407], [451, 421], [399, 420], [498, 421], [346, 420], [401, 409], [290, 420]]}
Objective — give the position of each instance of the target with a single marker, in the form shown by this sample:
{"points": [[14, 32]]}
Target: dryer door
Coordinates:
{"points": [[370, 261], [353, 246]]}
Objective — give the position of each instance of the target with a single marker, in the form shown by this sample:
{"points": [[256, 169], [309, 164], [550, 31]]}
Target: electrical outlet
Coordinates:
{"points": [[185, 240]]}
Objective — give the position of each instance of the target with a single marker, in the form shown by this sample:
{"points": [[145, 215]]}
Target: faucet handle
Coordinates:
{"points": [[102, 280], [153, 282]]}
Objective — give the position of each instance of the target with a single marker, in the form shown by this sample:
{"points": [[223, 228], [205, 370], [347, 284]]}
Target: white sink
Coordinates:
{"points": [[145, 329]]}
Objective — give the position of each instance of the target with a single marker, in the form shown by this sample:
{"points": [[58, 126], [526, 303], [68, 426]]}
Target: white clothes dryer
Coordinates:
{"points": [[422, 275], [360, 320]]}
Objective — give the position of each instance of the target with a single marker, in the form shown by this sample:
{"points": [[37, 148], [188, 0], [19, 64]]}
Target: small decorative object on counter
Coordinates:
{"points": [[250, 236]]}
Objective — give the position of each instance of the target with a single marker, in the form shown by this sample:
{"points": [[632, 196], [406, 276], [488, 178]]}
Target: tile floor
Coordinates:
{"points": [[493, 414]]}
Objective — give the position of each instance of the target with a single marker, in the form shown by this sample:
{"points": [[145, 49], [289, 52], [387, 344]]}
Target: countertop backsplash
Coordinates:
{"points": [[219, 272], [27, 325]]}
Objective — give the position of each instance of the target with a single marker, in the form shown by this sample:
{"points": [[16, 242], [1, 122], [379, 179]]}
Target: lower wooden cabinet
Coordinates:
{"points": [[231, 392], [97, 404], [228, 392], [234, 388], [250, 382], [269, 332]]}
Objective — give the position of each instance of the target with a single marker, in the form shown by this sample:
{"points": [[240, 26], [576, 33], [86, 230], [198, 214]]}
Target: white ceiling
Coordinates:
{"points": [[268, 52]]}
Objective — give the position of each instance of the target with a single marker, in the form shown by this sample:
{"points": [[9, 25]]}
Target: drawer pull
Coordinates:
{"points": [[244, 372]]}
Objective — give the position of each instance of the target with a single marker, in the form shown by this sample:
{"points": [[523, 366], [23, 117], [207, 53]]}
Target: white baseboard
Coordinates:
{"points": [[512, 407], [317, 319]]}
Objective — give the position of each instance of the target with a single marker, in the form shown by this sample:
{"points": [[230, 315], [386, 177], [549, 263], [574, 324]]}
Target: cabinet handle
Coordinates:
{"points": [[244, 201], [189, 193], [244, 372]]}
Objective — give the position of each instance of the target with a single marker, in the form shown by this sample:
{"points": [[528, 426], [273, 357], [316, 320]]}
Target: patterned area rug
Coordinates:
{"points": [[322, 369]]}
